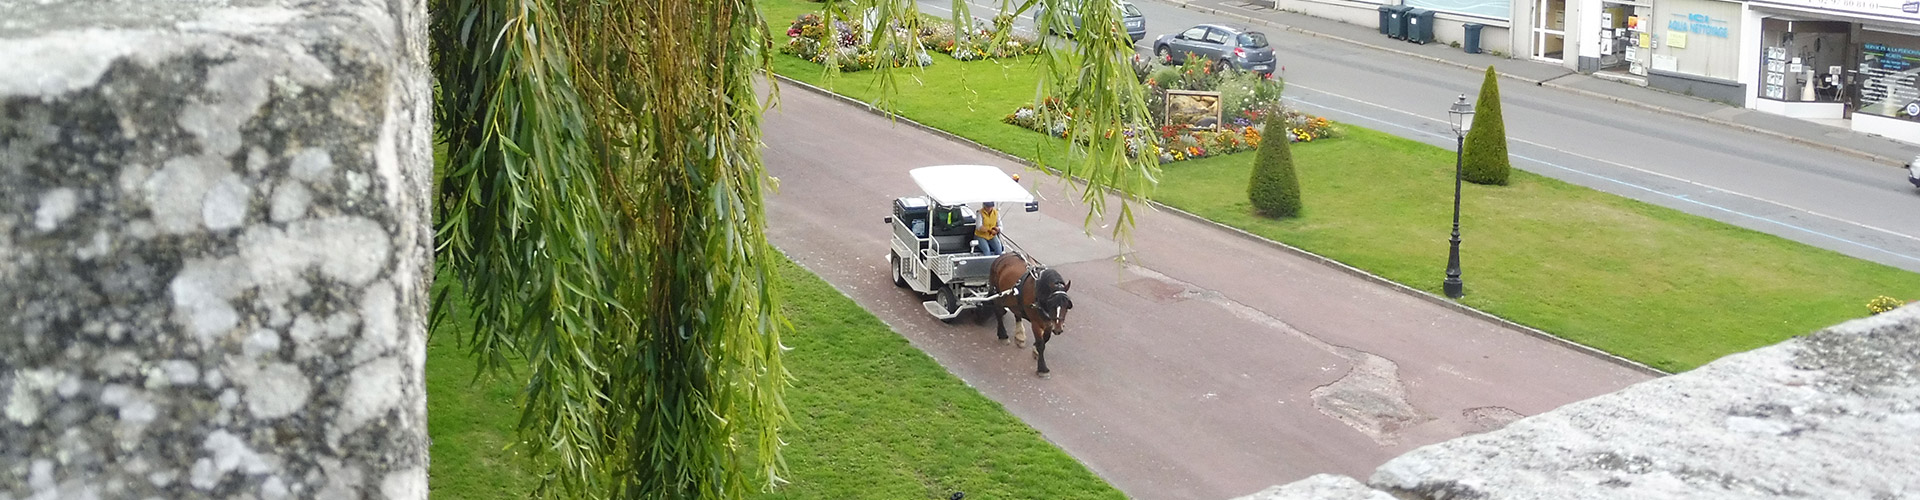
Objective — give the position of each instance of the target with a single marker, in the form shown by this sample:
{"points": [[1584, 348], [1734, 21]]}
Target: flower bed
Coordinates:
{"points": [[846, 45], [940, 36], [1245, 97]]}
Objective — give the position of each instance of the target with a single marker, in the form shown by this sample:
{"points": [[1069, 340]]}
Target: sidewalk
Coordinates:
{"points": [[1813, 134]]}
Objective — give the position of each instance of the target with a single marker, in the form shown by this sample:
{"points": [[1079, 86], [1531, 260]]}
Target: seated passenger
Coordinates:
{"points": [[989, 230]]}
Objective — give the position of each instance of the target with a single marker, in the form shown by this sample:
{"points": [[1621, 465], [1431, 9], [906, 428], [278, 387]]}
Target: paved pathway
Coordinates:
{"points": [[1209, 366]]}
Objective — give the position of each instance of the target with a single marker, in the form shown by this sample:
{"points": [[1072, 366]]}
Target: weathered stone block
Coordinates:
{"points": [[1321, 487], [1834, 414], [214, 248]]}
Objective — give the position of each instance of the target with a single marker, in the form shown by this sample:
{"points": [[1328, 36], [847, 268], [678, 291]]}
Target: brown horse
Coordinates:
{"points": [[1041, 300]]}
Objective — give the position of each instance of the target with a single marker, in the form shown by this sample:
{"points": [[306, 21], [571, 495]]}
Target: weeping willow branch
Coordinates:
{"points": [[609, 229], [603, 206], [1093, 74]]}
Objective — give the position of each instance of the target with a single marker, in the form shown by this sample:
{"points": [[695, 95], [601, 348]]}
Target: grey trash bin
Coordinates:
{"points": [[1397, 22], [1386, 13], [1472, 39], [1419, 25]]}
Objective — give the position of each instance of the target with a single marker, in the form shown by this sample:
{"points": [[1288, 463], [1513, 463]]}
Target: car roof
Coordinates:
{"points": [[1231, 29], [964, 184]]}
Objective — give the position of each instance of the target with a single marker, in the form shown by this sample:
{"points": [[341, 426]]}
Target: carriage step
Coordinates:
{"points": [[938, 311]]}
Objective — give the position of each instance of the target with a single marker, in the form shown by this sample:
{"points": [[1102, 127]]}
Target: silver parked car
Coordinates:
{"points": [[1227, 47], [1135, 21]]}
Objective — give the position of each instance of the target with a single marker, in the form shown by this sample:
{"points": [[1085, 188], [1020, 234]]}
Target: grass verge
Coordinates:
{"points": [[874, 417], [470, 420], [1645, 282]]}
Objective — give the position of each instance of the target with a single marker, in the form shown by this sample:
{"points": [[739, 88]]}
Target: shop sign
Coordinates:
{"points": [[1901, 9], [1700, 24], [1887, 86]]}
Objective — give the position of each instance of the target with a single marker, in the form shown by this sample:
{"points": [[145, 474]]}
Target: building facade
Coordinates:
{"points": [[1848, 63], [1851, 62]]}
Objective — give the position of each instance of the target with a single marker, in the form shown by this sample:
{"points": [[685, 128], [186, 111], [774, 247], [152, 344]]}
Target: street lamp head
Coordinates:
{"points": [[1462, 115]]}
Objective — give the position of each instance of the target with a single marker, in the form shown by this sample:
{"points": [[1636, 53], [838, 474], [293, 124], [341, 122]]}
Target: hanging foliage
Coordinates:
{"points": [[602, 204]]}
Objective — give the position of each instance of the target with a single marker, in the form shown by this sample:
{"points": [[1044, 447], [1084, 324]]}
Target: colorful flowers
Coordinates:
{"points": [[1172, 143], [845, 45]]}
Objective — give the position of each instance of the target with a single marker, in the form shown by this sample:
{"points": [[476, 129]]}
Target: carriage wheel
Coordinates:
{"points": [[899, 270], [949, 298]]}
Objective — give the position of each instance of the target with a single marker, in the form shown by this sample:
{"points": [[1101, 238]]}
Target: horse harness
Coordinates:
{"points": [[1033, 273]]}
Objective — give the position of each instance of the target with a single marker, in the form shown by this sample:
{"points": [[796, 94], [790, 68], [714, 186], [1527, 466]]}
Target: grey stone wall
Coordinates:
{"points": [[1834, 414], [214, 248]]}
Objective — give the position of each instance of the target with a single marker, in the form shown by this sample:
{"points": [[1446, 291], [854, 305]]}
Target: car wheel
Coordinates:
{"points": [[1166, 56], [899, 269], [1222, 66]]}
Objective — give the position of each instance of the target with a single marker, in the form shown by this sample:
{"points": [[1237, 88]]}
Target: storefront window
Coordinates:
{"points": [[1491, 9], [1802, 61], [1695, 37], [1889, 67]]}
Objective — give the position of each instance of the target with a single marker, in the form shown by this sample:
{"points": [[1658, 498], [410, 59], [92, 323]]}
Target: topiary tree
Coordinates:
{"points": [[1485, 160], [1274, 189]]}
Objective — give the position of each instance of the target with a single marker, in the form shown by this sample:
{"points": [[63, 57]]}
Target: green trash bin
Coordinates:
{"points": [[1386, 12], [1471, 43], [1419, 25], [1397, 22]]}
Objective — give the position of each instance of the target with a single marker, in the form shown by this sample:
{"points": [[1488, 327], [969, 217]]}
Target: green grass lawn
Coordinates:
{"points": [[470, 421], [1645, 282], [874, 417], [965, 98], [877, 418]]}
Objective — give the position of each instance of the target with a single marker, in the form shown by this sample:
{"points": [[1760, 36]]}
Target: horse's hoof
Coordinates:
{"points": [[1043, 374]]}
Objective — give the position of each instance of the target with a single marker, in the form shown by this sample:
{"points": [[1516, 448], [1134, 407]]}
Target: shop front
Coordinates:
{"points": [[1692, 47], [1887, 96], [1620, 27], [1844, 62], [1590, 36]]}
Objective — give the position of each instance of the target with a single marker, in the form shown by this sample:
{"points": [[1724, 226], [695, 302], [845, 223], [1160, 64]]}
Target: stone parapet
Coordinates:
{"points": [[214, 248], [1833, 414]]}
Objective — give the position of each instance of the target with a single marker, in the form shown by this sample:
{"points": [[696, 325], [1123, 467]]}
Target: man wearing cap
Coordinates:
{"points": [[988, 230]]}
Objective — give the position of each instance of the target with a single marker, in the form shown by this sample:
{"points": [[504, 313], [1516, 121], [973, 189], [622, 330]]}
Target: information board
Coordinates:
{"points": [[1774, 74], [1887, 81]]}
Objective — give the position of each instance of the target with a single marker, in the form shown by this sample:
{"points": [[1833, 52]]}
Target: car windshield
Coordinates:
{"points": [[1253, 40], [1130, 10]]}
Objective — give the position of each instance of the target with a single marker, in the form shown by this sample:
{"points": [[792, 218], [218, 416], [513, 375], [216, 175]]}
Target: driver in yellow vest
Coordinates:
{"points": [[988, 230]]}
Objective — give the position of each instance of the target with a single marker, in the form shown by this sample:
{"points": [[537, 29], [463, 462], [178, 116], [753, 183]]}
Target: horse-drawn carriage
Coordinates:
{"points": [[936, 254]]}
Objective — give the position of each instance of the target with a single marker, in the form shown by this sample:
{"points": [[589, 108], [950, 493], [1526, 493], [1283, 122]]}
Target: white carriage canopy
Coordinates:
{"points": [[966, 184]]}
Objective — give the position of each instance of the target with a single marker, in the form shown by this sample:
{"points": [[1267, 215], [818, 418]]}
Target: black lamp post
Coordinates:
{"points": [[1462, 115]]}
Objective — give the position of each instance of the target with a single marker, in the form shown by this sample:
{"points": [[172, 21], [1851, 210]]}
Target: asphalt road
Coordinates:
{"points": [[1208, 366], [1819, 197]]}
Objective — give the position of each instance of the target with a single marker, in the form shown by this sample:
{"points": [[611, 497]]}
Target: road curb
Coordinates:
{"points": [[1544, 83], [1323, 260]]}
